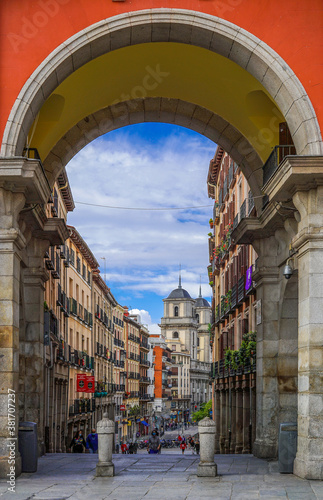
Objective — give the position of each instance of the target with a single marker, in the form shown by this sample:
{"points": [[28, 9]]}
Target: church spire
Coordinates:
{"points": [[200, 295], [180, 277]]}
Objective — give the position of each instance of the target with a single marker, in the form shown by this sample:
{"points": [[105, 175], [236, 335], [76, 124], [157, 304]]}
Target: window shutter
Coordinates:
{"points": [[234, 265]]}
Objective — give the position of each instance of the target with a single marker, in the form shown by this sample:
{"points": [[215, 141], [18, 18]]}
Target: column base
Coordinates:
{"points": [[262, 449], [105, 469], [308, 469], [238, 449], [5, 467], [207, 470]]}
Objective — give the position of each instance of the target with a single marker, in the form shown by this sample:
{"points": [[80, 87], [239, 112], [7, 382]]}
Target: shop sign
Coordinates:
{"points": [[122, 407], [85, 383]]}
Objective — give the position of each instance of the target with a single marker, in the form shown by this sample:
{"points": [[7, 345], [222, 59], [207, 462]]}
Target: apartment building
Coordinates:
{"points": [[120, 369], [103, 347], [163, 363], [132, 341], [80, 325], [234, 308], [56, 328]]}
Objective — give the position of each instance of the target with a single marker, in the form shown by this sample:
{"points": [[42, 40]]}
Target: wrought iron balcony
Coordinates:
{"points": [[275, 158]]}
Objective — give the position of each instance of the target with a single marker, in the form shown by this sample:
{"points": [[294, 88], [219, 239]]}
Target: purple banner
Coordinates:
{"points": [[248, 278]]}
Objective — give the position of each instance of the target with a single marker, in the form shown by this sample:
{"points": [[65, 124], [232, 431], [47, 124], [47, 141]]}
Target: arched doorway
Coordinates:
{"points": [[179, 67]]}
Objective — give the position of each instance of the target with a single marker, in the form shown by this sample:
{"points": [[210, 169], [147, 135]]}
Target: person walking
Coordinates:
{"points": [[78, 442], [183, 446], [92, 442], [197, 446], [153, 443], [124, 448]]}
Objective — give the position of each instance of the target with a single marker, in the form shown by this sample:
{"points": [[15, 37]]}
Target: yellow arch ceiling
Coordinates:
{"points": [[170, 70]]}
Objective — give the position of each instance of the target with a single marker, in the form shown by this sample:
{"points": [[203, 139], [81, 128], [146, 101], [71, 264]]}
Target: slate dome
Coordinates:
{"points": [[179, 293]]}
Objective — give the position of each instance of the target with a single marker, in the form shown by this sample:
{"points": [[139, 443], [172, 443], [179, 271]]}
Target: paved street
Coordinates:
{"points": [[168, 476]]}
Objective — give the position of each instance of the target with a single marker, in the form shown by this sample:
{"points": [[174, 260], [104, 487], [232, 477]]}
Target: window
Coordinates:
{"points": [[175, 335], [197, 316], [175, 311]]}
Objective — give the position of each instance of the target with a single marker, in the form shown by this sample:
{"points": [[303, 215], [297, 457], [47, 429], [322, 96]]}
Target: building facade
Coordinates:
{"points": [[231, 270]]}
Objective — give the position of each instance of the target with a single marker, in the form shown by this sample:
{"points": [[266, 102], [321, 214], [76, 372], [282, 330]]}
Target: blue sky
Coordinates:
{"points": [[148, 166]]}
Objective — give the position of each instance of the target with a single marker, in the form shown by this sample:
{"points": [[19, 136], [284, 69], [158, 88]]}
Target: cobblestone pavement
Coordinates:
{"points": [[169, 476]]}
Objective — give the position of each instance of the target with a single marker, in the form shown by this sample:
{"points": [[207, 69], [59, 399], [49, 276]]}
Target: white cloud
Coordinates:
{"points": [[143, 249], [146, 320]]}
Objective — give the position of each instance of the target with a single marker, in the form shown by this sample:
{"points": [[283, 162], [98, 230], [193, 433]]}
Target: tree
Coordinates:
{"points": [[203, 412], [134, 411]]}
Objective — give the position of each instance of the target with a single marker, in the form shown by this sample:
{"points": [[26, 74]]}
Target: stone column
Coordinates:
{"points": [[105, 431], [32, 338], [268, 295], [239, 421], [246, 420], [11, 244], [207, 467], [309, 244], [217, 420], [253, 417], [227, 423], [222, 420], [233, 421]]}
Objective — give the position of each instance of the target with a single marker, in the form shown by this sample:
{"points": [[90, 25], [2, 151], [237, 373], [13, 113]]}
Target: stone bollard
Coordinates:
{"points": [[207, 467], [105, 431]]}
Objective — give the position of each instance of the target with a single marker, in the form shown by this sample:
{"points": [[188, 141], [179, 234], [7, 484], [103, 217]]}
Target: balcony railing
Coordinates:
{"points": [[243, 210], [235, 221], [251, 202], [234, 296], [241, 290], [275, 158]]}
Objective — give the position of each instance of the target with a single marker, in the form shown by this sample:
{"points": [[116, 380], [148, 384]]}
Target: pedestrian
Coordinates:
{"points": [[197, 446], [124, 448], [153, 443], [92, 442], [179, 438], [131, 448], [183, 447], [78, 442]]}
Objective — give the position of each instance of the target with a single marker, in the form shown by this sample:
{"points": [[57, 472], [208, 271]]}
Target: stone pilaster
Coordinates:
{"points": [[11, 244], [222, 420], [268, 294], [233, 421], [227, 423], [246, 419], [309, 244], [32, 338], [239, 421], [217, 420]]}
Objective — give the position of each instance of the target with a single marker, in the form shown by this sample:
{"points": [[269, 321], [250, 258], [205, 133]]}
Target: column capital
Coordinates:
{"points": [[25, 176]]}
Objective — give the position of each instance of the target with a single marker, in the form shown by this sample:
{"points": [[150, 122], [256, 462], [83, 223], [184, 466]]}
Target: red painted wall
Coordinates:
{"points": [[158, 353], [31, 29]]}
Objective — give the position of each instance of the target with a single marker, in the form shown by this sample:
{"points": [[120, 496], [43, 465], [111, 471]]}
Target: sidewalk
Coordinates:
{"points": [[169, 476]]}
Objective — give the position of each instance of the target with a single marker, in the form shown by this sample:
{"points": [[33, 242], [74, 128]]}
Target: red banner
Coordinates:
{"points": [[85, 383], [81, 383], [90, 383]]}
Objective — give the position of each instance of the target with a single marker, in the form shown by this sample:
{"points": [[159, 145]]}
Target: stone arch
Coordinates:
{"points": [[174, 25]]}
